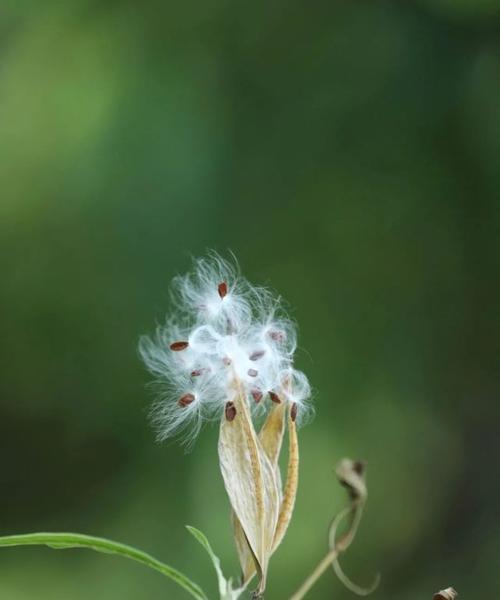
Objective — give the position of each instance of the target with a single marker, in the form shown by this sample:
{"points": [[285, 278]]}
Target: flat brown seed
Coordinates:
{"points": [[257, 354], [198, 372], [222, 289], [274, 397], [252, 372], [176, 346], [186, 400], [230, 411], [256, 395], [293, 411], [277, 336]]}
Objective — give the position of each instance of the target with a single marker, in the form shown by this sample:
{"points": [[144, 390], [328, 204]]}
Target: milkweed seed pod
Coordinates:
{"points": [[227, 354]]}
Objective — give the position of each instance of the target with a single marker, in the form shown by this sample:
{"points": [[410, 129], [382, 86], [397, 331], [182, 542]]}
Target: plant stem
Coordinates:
{"points": [[354, 511], [316, 574]]}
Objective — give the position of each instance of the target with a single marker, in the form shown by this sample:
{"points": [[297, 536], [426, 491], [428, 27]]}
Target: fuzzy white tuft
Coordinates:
{"points": [[225, 332]]}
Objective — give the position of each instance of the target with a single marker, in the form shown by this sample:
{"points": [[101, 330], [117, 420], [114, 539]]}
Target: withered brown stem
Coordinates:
{"points": [[351, 475]]}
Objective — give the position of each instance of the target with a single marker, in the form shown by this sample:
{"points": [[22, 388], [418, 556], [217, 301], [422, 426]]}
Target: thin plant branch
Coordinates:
{"points": [[316, 574], [351, 475]]}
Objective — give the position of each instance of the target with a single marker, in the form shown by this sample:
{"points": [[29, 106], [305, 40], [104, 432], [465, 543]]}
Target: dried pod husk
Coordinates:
{"points": [[271, 438], [248, 563], [250, 482], [351, 474], [292, 481], [447, 594]]}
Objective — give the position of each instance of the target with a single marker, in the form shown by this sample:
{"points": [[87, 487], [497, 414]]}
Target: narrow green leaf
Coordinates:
{"points": [[226, 590], [61, 541], [202, 539]]}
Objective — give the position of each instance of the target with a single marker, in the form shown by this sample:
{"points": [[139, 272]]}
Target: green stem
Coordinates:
{"points": [[60, 541]]}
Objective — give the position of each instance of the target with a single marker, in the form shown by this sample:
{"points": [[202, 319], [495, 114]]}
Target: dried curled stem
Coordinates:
{"points": [[351, 475], [316, 574]]}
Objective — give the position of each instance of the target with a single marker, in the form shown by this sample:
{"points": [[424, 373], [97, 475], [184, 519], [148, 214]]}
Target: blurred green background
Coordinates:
{"points": [[348, 152]]}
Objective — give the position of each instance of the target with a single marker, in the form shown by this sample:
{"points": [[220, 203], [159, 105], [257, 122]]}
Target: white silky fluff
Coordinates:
{"points": [[241, 338]]}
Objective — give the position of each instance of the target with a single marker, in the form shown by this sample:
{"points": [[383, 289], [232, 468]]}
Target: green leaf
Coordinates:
{"points": [[202, 539], [61, 541], [226, 590]]}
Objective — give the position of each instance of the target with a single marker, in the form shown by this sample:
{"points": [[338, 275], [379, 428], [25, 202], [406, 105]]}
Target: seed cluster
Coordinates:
{"points": [[225, 337]]}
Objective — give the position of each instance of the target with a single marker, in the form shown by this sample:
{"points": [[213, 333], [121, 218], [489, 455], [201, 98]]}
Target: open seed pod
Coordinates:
{"points": [[251, 485], [271, 438]]}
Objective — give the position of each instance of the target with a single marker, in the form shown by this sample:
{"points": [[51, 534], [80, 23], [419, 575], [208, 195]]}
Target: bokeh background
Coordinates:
{"points": [[348, 152]]}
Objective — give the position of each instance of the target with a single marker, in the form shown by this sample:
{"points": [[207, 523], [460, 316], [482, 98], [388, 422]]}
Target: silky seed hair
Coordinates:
{"points": [[223, 336]]}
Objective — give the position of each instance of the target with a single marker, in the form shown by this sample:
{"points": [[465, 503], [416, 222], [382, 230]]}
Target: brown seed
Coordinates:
{"points": [[277, 336], [176, 346], [252, 372], [198, 372], [257, 354], [226, 360], [293, 411], [230, 411], [256, 395], [222, 289], [186, 400], [274, 397]]}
